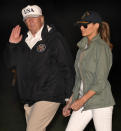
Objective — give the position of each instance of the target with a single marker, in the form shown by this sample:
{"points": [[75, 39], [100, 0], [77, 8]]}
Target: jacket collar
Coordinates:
{"points": [[47, 30], [84, 41], [44, 32]]}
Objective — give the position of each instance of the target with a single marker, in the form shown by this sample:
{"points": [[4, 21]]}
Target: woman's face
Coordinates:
{"points": [[91, 30]]}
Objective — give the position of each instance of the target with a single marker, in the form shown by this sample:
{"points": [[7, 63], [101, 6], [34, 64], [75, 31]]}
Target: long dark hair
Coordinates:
{"points": [[104, 31]]}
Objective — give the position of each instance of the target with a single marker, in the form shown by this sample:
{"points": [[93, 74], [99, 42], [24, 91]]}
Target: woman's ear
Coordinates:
{"points": [[97, 26]]}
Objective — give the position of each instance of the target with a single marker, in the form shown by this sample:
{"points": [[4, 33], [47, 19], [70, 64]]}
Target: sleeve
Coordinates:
{"points": [[66, 63], [10, 55], [104, 63]]}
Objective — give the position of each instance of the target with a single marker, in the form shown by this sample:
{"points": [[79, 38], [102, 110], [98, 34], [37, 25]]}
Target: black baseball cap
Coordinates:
{"points": [[90, 17]]}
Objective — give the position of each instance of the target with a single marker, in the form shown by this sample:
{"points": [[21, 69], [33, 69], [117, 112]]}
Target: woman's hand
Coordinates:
{"points": [[15, 36], [81, 101], [78, 104]]}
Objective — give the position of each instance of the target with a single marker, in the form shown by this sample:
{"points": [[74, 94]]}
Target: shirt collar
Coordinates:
{"points": [[37, 34]]}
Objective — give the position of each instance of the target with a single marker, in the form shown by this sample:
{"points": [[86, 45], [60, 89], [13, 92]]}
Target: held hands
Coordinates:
{"points": [[75, 106], [66, 110], [15, 36]]}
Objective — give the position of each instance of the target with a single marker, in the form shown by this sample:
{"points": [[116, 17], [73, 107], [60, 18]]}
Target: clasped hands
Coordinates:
{"points": [[76, 105]]}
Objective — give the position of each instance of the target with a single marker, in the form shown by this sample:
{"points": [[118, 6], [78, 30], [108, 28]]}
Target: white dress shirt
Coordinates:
{"points": [[32, 40]]}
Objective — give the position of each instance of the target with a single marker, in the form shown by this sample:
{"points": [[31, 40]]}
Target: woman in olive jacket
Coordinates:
{"points": [[92, 97]]}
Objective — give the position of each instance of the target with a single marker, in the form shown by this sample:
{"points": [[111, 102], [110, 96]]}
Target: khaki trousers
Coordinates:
{"points": [[39, 115]]}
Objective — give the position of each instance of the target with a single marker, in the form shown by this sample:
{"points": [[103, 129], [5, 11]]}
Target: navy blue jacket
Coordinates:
{"points": [[44, 72]]}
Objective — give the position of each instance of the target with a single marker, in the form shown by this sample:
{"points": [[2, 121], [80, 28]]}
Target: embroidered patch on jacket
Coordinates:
{"points": [[41, 48]]}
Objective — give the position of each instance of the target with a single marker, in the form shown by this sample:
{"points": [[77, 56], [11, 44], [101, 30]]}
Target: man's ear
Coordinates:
{"points": [[42, 19]]}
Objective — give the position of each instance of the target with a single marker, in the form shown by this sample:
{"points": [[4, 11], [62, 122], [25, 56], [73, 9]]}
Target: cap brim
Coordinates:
{"points": [[30, 16], [82, 22], [79, 23]]}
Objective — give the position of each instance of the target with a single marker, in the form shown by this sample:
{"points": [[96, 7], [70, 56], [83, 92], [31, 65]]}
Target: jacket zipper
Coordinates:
{"points": [[81, 55]]}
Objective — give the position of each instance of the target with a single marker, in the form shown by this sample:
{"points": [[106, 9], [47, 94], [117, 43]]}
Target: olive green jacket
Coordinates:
{"points": [[94, 65]]}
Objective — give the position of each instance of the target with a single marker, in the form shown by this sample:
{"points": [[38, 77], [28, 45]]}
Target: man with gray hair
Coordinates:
{"points": [[44, 68]]}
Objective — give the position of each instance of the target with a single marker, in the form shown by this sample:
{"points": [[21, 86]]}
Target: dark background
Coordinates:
{"points": [[62, 14]]}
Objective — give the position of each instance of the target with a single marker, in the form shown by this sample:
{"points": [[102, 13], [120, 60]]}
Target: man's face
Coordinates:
{"points": [[34, 23]]}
